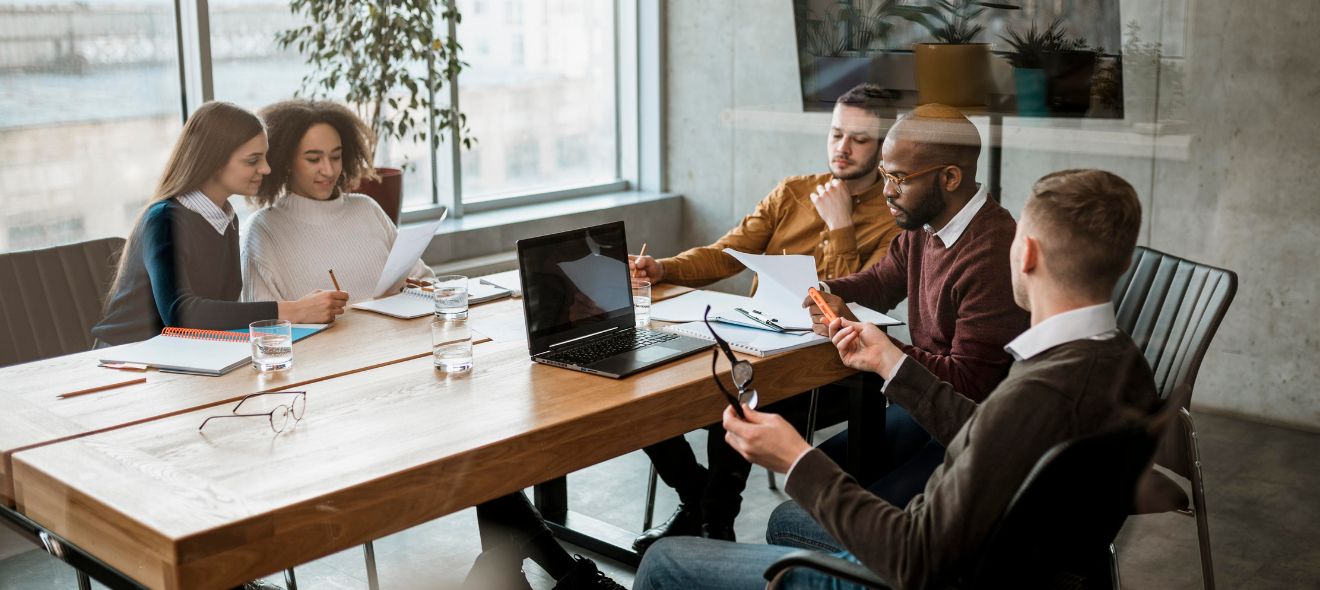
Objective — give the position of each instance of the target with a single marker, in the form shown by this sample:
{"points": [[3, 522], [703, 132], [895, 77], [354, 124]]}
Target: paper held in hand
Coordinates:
{"points": [[408, 247], [782, 283]]}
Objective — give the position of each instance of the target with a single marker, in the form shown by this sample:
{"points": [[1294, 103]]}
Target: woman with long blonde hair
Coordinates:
{"points": [[181, 266]]}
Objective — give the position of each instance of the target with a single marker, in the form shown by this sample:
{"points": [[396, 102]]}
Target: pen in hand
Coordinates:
{"points": [[641, 253], [334, 280]]}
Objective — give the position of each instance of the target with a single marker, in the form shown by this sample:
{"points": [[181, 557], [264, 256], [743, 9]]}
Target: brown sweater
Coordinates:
{"points": [[960, 299], [1072, 390], [787, 221]]}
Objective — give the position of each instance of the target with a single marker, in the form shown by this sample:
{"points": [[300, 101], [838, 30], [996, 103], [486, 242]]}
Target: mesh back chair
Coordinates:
{"points": [[51, 298], [1171, 307], [1043, 540]]}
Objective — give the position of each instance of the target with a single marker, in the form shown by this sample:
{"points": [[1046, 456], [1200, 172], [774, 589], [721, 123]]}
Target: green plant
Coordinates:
{"points": [[954, 21], [870, 21], [823, 37], [1028, 47], [388, 59]]}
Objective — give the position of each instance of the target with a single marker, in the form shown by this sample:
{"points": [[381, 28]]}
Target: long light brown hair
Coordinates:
{"points": [[288, 121], [204, 147]]}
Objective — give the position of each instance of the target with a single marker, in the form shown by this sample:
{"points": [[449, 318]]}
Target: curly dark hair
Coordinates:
{"points": [[286, 124]]}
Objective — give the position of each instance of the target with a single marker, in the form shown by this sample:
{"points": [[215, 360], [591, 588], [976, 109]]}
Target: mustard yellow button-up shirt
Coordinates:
{"points": [[787, 221]]}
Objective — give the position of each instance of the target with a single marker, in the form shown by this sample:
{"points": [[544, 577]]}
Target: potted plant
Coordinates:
{"points": [[1152, 82], [955, 69], [1028, 73], [371, 52], [844, 42]]}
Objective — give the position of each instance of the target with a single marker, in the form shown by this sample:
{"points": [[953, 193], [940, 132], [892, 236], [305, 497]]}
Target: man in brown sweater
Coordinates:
{"points": [[840, 218], [949, 265], [1075, 375]]}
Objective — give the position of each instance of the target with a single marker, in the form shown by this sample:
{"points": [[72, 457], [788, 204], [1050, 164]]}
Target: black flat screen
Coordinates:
{"points": [[575, 283]]}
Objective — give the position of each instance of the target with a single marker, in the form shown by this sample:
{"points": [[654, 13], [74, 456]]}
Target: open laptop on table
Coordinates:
{"points": [[577, 296]]}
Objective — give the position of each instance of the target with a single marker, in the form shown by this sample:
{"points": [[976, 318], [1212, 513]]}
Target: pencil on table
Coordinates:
{"points": [[102, 388], [334, 280], [640, 254]]}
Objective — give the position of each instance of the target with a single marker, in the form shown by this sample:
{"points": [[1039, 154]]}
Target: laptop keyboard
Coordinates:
{"points": [[590, 352]]}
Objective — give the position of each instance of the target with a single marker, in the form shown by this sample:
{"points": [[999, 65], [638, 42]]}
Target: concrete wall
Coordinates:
{"points": [[1225, 178]]}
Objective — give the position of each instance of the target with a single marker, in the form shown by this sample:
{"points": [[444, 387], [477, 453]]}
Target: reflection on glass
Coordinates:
{"points": [[89, 107]]}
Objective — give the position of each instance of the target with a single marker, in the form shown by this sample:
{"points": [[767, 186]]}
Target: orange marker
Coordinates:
{"points": [[824, 307]]}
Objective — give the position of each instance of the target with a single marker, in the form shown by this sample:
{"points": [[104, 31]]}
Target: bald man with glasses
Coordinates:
{"points": [[949, 266]]}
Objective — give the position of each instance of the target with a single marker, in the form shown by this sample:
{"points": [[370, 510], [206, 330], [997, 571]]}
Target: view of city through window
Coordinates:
{"points": [[90, 103]]}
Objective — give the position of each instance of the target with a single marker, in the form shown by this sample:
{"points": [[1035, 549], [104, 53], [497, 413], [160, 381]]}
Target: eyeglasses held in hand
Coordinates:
{"points": [[741, 373], [278, 417]]}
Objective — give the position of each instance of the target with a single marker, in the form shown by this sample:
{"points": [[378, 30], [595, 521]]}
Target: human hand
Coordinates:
{"points": [[864, 347], [317, 307], [834, 204], [767, 440], [646, 268], [836, 304]]}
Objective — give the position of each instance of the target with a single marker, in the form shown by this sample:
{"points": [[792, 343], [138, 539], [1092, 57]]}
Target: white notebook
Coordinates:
{"points": [[752, 341], [508, 280], [413, 302], [182, 350], [407, 304]]}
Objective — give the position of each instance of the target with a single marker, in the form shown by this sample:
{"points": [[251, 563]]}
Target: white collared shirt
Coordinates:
{"points": [[219, 218], [1094, 323], [955, 227]]}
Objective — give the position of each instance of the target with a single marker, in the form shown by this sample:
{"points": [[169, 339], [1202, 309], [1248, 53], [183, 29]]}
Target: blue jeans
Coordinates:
{"points": [[692, 563]]}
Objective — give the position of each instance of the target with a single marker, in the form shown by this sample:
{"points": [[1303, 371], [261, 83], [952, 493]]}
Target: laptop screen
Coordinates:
{"points": [[575, 283]]}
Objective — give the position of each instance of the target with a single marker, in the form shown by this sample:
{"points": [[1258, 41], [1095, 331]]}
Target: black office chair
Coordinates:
{"points": [[1171, 307], [1057, 531], [51, 298]]}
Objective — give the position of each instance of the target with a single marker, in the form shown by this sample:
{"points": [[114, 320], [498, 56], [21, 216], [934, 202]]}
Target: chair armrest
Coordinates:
{"points": [[824, 563]]}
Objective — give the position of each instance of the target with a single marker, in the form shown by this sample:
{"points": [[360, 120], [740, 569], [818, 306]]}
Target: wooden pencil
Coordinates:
{"points": [[334, 280], [102, 388], [639, 255]]}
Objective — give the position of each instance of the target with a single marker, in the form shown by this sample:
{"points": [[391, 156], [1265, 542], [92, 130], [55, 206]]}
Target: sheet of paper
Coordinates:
{"points": [[782, 283], [408, 247], [690, 306]]}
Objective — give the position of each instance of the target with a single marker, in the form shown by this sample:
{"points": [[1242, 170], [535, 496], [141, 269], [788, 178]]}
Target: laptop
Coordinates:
{"points": [[577, 297]]}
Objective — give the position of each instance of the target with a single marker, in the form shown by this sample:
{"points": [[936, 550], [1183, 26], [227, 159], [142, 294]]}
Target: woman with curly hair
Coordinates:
{"points": [[309, 222]]}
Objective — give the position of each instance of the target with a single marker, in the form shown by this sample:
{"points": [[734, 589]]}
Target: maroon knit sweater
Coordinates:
{"points": [[960, 300]]}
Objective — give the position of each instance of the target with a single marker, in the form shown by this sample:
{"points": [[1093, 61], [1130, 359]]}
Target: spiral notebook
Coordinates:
{"points": [[414, 302], [754, 341], [186, 350]]}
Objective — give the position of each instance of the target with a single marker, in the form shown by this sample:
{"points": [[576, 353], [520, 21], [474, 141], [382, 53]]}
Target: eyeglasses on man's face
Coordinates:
{"points": [[899, 180], [279, 416]]}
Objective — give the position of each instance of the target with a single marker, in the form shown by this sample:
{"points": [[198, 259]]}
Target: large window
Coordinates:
{"points": [[92, 97], [540, 96], [89, 108]]}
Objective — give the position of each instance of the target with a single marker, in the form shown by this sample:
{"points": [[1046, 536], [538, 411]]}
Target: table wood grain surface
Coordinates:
{"points": [[378, 451]]}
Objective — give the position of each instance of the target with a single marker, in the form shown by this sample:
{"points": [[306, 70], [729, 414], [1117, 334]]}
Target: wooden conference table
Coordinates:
{"points": [[386, 443]]}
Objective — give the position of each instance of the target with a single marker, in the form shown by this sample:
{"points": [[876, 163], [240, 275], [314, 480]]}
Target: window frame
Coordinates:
{"points": [[638, 70]]}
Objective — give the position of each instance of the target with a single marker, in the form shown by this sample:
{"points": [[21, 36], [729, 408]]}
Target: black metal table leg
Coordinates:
{"points": [[551, 498], [866, 424], [78, 559]]}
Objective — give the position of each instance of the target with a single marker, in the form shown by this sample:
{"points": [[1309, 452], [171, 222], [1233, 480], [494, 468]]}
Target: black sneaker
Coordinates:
{"points": [[685, 522], [585, 576]]}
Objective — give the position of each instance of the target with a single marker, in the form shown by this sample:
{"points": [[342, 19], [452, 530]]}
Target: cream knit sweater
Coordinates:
{"points": [[290, 246]]}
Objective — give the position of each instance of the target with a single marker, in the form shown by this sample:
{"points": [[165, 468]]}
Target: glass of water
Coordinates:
{"points": [[451, 297], [272, 345], [451, 345], [641, 294]]}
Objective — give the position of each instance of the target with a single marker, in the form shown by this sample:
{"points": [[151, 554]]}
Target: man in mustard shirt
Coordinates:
{"points": [[842, 220]]}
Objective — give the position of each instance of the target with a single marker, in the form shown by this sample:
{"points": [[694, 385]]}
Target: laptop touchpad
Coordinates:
{"points": [[651, 353]]}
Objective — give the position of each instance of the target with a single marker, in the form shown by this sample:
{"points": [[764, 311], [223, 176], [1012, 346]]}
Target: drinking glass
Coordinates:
{"points": [[451, 345], [641, 294], [451, 297], [272, 345]]}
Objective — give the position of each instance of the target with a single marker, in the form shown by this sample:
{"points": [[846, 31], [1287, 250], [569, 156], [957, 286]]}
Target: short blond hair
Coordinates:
{"points": [[1087, 222]]}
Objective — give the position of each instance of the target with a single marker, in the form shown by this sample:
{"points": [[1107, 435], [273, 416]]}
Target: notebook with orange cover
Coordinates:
{"points": [[186, 350]]}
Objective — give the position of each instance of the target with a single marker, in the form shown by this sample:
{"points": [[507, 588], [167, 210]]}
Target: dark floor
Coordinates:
{"points": [[1261, 484]]}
